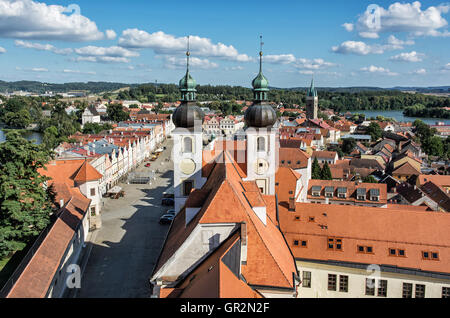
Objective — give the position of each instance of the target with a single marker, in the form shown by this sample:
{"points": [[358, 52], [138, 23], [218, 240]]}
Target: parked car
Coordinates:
{"points": [[147, 165], [170, 212], [168, 202], [166, 219]]}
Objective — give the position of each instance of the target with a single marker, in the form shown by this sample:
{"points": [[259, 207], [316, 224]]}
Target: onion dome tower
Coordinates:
{"points": [[260, 114], [262, 139], [188, 112], [187, 151]]}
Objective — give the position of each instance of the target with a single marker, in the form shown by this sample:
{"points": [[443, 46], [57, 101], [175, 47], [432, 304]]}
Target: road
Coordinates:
{"points": [[125, 249]]}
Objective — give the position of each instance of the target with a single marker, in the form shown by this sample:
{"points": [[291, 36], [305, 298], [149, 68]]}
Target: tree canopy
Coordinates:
{"points": [[25, 205]]}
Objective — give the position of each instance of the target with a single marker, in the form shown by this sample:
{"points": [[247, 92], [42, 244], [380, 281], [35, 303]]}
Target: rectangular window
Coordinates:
{"points": [[370, 286], [420, 291], [304, 244], [335, 243], [187, 187], [445, 292], [92, 192], [331, 282], [306, 279], [295, 243], [343, 283], [382, 288], [407, 290], [93, 211]]}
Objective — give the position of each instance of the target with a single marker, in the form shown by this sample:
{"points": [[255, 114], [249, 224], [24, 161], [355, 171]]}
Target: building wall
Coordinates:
{"points": [[357, 282], [72, 256], [203, 239]]}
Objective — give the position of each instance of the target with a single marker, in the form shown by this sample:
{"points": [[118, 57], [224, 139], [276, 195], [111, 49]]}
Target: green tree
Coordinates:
{"points": [[50, 139], [316, 171], [348, 145], [25, 205], [434, 146], [325, 173], [374, 130], [369, 179], [116, 113], [20, 119]]}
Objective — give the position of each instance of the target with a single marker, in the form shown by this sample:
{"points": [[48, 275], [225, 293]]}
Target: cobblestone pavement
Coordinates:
{"points": [[125, 249]]}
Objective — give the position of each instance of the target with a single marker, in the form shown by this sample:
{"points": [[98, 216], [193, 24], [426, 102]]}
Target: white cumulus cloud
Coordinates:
{"points": [[42, 47], [174, 62], [27, 19], [420, 71], [98, 54], [110, 34], [408, 57], [403, 17], [378, 69], [349, 26], [2, 50], [279, 59], [163, 43]]}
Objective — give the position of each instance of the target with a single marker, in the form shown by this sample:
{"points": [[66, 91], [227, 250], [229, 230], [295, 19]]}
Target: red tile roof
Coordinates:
{"points": [[380, 228]]}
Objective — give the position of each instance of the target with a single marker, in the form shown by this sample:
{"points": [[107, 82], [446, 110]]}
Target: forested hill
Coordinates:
{"points": [[40, 88]]}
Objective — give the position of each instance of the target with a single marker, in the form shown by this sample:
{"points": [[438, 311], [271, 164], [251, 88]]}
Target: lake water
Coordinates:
{"points": [[29, 135], [398, 116]]}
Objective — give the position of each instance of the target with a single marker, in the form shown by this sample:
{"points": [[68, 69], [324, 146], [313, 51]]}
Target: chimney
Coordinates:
{"points": [[61, 203], [291, 204]]}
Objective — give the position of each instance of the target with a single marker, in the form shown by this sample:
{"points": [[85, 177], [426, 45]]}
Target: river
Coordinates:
{"points": [[29, 135], [398, 116]]}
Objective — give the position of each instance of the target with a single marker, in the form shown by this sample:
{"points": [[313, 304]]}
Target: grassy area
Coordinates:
{"points": [[3, 262], [9, 264]]}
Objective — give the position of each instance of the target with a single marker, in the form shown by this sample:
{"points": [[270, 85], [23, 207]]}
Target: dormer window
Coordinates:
{"points": [[329, 191], [374, 194], [361, 194], [342, 192], [315, 190]]}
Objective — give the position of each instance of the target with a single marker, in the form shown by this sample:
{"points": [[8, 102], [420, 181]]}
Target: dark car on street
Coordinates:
{"points": [[166, 219], [168, 202]]}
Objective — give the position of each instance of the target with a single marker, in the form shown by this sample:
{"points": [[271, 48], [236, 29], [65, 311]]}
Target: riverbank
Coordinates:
{"points": [[399, 116]]}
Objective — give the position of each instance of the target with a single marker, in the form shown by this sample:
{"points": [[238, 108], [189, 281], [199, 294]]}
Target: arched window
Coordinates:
{"points": [[187, 145], [261, 144]]}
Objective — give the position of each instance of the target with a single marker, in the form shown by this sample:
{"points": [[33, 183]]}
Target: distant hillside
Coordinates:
{"points": [[38, 87], [98, 87], [436, 89]]}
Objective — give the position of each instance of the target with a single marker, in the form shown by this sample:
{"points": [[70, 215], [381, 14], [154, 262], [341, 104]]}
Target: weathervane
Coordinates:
{"points": [[260, 53], [188, 53]]}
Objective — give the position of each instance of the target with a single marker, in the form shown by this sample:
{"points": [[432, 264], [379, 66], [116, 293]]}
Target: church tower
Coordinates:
{"points": [[262, 141], [187, 141], [312, 102]]}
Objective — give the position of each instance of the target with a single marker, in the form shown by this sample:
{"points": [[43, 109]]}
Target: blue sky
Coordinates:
{"points": [[338, 42]]}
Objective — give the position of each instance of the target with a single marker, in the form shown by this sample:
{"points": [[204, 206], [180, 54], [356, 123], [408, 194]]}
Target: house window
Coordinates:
{"points": [[261, 144], [407, 290], [306, 279], [187, 145], [331, 282], [93, 211], [382, 288], [335, 243], [343, 283], [365, 249], [304, 244], [420, 291], [187, 187], [445, 292], [92, 192], [370, 286], [430, 255], [295, 243]]}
